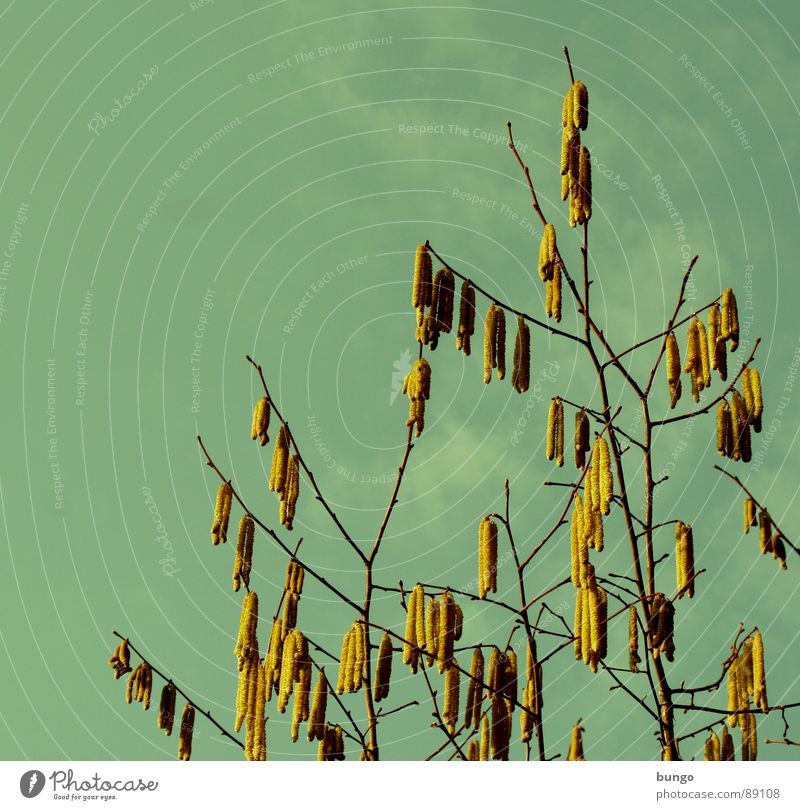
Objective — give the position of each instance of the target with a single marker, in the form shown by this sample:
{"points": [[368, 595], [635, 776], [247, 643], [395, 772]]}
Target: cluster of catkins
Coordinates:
{"points": [[284, 477], [431, 632], [734, 419], [746, 682], [576, 163], [432, 297], [769, 541], [139, 688]]}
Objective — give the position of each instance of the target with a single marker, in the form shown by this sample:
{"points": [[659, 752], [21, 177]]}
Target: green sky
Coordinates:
{"points": [[186, 183]]}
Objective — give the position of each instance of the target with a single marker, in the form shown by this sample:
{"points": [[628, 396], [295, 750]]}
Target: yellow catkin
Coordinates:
{"points": [[302, 697], [684, 559], [521, 374], [383, 668], [474, 750], [548, 253], [442, 303], [417, 385], [580, 105], [724, 430], [186, 732], [120, 660], [246, 641], [166, 709], [260, 424], [359, 667], [501, 728], [410, 653], [673, 364], [466, 318], [290, 492], [749, 514], [242, 561], [432, 631], [586, 627], [729, 320], [584, 203], [487, 557], [704, 370], [582, 440], [602, 459], [452, 692], [511, 687], [485, 735], [759, 679], [319, 706], [712, 748], [422, 291], [555, 432], [726, 746], [553, 295], [222, 514], [733, 693], [288, 668], [577, 625], [576, 539], [246, 676], [256, 742], [575, 753], [447, 623], [472, 714], [280, 461], [343, 663], [764, 530], [272, 659], [713, 334], [490, 342], [633, 641], [751, 388]]}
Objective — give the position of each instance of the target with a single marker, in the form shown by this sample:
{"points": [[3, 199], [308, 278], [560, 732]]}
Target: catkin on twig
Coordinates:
{"points": [[684, 559], [290, 492], [452, 689], [260, 424], [466, 318], [472, 715], [575, 753], [633, 641], [673, 369], [521, 374], [494, 343], [383, 668], [120, 660], [432, 631], [280, 461], [186, 731], [319, 705], [582, 439], [447, 624], [422, 290], [487, 557], [555, 432], [548, 253], [417, 385], [759, 678], [166, 709], [246, 640], [243, 559], [729, 320], [222, 514]]}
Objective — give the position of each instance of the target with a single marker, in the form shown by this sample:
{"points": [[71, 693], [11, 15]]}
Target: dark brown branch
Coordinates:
{"points": [[309, 474], [206, 714], [322, 580]]}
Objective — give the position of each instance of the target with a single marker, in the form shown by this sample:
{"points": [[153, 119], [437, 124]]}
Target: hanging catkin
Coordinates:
{"points": [[383, 668], [242, 560], [280, 461], [120, 660], [729, 319], [272, 660], [673, 369], [633, 641], [485, 734], [759, 679], [712, 748], [552, 301], [248, 676], [604, 480], [684, 559], [422, 291], [555, 432], [726, 746], [751, 387], [575, 753], [548, 253], [661, 626], [521, 374], [246, 641], [447, 625], [579, 551], [255, 740], [580, 105], [466, 318], [432, 631], [260, 424], [452, 688], [185, 734], [489, 342], [290, 492], [222, 514], [472, 714], [724, 430], [582, 439], [417, 385], [474, 750], [166, 709], [319, 705], [501, 727], [140, 685], [302, 698], [288, 669], [410, 651], [487, 557]]}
